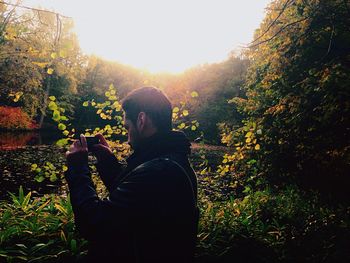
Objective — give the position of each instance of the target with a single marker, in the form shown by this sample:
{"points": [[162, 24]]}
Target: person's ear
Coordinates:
{"points": [[141, 121]]}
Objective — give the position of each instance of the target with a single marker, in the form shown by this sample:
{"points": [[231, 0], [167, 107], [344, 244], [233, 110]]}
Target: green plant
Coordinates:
{"points": [[38, 230], [277, 226]]}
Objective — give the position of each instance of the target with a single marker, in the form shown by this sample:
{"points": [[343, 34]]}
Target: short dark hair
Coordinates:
{"points": [[153, 102]]}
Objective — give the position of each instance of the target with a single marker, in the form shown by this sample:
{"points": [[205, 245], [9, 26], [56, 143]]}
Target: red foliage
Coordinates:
{"points": [[14, 118]]}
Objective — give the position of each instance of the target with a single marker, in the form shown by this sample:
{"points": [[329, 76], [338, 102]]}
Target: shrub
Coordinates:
{"points": [[14, 118], [268, 226]]}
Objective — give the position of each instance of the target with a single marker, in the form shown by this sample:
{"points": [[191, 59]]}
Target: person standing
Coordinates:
{"points": [[151, 213]]}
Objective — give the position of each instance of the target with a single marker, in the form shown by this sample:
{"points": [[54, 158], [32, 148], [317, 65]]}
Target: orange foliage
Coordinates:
{"points": [[13, 118]]}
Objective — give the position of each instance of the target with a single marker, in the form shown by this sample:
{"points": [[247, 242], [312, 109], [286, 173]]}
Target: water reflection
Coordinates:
{"points": [[18, 151], [12, 140]]}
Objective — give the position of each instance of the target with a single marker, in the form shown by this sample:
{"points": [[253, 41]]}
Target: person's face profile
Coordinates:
{"points": [[132, 131]]}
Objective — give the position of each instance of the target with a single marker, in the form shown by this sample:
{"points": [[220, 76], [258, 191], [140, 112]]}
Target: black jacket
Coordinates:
{"points": [[151, 214]]}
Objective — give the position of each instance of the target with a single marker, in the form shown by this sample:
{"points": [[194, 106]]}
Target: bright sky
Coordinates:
{"points": [[161, 35]]}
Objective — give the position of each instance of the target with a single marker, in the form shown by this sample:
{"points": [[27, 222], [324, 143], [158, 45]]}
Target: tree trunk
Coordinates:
{"points": [[46, 97]]}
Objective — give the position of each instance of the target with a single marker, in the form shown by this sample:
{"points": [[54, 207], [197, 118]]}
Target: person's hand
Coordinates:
{"points": [[77, 155], [102, 151]]}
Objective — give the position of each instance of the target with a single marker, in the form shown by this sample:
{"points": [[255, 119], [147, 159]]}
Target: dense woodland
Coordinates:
{"points": [[279, 191]]}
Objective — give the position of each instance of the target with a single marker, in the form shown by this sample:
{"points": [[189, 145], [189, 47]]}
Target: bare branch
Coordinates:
{"points": [[34, 9], [274, 21], [279, 31]]}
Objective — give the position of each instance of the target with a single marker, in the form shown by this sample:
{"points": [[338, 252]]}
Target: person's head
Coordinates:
{"points": [[147, 110]]}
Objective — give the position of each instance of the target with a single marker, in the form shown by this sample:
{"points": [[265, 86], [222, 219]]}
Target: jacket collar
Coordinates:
{"points": [[160, 144]]}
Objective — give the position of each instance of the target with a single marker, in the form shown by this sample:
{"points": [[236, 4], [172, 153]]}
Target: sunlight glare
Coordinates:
{"points": [[160, 35]]}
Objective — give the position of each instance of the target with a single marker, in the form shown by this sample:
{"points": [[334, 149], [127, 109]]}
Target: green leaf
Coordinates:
{"points": [[20, 194], [56, 116], [53, 177], [61, 126], [62, 142], [52, 105], [39, 178], [73, 245]]}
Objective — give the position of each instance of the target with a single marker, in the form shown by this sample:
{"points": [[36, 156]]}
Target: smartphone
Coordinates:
{"points": [[91, 140]]}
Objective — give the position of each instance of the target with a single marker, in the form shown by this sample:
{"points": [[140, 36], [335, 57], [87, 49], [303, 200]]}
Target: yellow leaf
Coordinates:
{"points": [[248, 140], [257, 147], [194, 94], [193, 128], [40, 64], [49, 71], [54, 55], [181, 126], [249, 134], [185, 112], [63, 54], [176, 109]]}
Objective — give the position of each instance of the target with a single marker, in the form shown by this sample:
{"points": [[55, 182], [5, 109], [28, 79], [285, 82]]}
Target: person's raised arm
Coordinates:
{"points": [[107, 165], [91, 213]]}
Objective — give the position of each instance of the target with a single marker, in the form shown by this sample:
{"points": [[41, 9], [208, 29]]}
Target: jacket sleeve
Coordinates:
{"points": [[109, 171], [95, 217]]}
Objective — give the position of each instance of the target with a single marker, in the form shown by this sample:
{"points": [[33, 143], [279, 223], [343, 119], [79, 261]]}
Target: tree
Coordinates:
{"points": [[298, 91]]}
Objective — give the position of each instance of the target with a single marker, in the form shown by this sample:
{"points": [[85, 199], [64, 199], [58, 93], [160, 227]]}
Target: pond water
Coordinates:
{"points": [[12, 140], [18, 151]]}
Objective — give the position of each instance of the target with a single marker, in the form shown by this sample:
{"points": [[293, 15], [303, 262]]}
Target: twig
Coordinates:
{"points": [[330, 42], [279, 31], [273, 22], [34, 9]]}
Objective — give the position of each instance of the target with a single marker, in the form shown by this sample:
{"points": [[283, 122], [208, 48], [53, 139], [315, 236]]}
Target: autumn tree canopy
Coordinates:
{"points": [[298, 89]]}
